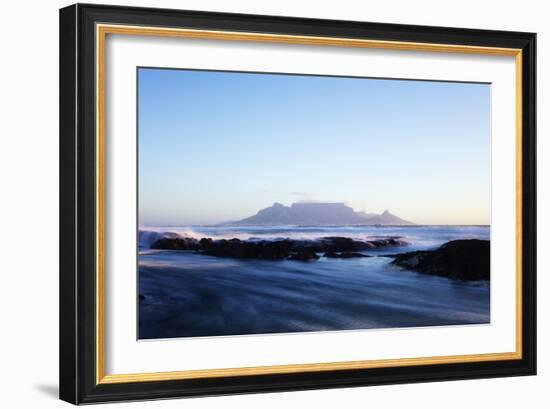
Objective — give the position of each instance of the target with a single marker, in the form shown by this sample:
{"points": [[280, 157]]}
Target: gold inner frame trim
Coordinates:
{"points": [[101, 32]]}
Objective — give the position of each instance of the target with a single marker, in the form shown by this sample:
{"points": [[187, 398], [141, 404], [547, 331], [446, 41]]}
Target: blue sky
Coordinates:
{"points": [[219, 146]]}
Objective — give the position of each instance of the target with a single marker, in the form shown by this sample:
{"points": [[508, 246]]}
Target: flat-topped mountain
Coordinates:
{"points": [[316, 213]]}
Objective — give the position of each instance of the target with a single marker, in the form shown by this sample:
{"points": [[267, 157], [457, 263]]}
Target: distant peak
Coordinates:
{"points": [[319, 213]]}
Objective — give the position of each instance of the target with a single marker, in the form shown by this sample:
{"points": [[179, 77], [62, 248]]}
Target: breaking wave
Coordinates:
{"points": [[420, 237]]}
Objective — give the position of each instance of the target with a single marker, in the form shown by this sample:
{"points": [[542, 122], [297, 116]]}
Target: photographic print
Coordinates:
{"points": [[263, 203], [281, 203]]}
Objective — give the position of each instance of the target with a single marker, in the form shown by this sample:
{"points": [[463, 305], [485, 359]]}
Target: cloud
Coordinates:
{"points": [[357, 205]]}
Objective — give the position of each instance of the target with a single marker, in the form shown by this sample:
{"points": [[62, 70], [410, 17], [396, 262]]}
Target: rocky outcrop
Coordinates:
{"points": [[339, 244], [235, 248], [177, 243], [333, 247], [148, 237], [464, 260]]}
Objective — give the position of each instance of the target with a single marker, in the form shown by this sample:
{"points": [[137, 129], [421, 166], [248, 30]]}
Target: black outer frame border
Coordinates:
{"points": [[77, 204]]}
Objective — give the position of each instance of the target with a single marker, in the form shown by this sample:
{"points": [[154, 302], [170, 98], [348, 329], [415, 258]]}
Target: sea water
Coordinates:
{"points": [[186, 294]]}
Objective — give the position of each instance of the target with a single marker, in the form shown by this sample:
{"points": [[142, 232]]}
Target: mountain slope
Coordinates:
{"points": [[314, 213], [388, 219]]}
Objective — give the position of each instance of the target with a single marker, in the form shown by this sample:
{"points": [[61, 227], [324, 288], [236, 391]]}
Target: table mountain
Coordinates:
{"points": [[317, 213]]}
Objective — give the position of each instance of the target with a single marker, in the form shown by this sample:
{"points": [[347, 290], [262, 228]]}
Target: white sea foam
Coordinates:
{"points": [[420, 237]]}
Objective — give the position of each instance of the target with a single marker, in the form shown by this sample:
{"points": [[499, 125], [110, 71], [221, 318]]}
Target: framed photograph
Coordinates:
{"points": [[257, 203]]}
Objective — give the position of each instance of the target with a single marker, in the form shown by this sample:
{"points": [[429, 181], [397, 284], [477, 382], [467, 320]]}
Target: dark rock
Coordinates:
{"points": [[307, 245], [388, 242], [304, 256], [336, 244], [176, 244], [341, 244], [340, 247], [274, 250], [465, 260], [205, 242], [234, 248]]}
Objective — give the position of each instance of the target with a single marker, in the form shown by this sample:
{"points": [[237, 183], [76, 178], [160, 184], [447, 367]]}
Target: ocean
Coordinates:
{"points": [[185, 294]]}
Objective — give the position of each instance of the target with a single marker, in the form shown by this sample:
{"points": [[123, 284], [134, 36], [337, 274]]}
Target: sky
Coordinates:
{"points": [[219, 146]]}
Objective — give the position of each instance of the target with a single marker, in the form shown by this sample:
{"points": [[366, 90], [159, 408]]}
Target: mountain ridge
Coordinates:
{"points": [[319, 213]]}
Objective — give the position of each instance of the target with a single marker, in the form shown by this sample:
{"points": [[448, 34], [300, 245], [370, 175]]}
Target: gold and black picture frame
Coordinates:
{"points": [[178, 129]]}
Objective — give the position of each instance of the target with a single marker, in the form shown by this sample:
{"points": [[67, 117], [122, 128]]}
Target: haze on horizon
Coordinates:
{"points": [[219, 146]]}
